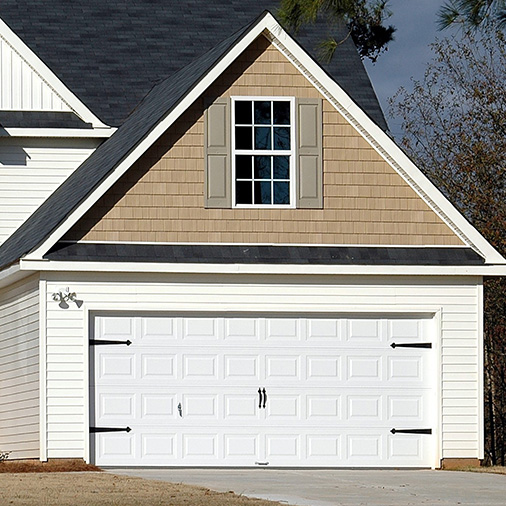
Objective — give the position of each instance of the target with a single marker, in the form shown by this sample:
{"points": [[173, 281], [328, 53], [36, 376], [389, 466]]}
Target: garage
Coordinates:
{"points": [[259, 390]]}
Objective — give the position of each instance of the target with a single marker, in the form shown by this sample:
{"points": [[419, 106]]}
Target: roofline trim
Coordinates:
{"points": [[48, 76], [379, 140], [100, 132], [270, 269]]}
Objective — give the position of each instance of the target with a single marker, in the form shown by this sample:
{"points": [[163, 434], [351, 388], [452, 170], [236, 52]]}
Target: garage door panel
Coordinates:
{"points": [[404, 369], [365, 448], [370, 331], [242, 367], [284, 329], [365, 408], [241, 407], [282, 367], [323, 408], [244, 329], [324, 329], [158, 366], [157, 406], [366, 369], [200, 366], [200, 446], [324, 447], [159, 447], [325, 368], [161, 330], [244, 447], [283, 447], [201, 329]]}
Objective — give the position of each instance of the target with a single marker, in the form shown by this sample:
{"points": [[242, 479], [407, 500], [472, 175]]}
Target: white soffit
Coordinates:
{"points": [[64, 99], [373, 134]]}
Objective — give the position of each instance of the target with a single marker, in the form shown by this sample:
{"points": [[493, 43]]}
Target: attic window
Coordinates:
{"points": [[263, 152]]}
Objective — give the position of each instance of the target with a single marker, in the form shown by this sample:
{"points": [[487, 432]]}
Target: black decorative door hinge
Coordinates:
{"points": [[411, 431], [411, 345], [109, 429], [97, 342]]}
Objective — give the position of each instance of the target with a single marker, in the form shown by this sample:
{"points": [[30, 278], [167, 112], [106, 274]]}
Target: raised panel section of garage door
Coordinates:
{"points": [[188, 388]]}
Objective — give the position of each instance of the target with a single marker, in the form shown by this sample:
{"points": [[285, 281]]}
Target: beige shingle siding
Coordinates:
{"points": [[160, 198]]}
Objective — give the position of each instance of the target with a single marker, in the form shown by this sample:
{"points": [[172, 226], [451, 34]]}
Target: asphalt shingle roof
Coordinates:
{"points": [[157, 104], [252, 254], [110, 54]]}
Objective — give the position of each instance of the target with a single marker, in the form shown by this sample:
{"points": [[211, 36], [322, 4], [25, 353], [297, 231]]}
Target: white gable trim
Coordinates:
{"points": [[84, 133], [378, 139], [48, 76]]}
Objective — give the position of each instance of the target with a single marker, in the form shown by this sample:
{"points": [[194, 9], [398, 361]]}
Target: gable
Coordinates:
{"points": [[22, 88], [160, 199]]}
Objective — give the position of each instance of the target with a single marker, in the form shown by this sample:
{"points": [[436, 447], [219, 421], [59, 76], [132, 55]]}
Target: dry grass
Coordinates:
{"points": [[104, 489], [52, 466], [491, 469]]}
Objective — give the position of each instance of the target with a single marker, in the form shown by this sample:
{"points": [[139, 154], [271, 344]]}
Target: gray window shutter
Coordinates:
{"points": [[309, 171], [217, 139]]}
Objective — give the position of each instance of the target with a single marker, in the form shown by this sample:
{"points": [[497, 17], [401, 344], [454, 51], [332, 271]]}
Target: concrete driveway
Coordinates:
{"points": [[343, 487]]}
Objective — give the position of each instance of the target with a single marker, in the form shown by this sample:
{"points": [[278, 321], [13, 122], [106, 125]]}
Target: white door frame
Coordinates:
{"points": [[102, 309]]}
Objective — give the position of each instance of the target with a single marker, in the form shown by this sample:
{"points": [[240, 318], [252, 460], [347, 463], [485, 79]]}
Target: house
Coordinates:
{"points": [[213, 253]]}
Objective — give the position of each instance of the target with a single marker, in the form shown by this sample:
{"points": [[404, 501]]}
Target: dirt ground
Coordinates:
{"points": [[104, 489], [52, 466]]}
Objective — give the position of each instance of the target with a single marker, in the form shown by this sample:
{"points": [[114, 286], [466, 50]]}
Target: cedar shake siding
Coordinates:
{"points": [[161, 198]]}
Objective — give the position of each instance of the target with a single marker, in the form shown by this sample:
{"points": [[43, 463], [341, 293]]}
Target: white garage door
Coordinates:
{"points": [[252, 391]]}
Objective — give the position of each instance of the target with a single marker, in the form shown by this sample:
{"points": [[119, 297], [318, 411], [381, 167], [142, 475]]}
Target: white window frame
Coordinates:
{"points": [[290, 153]]}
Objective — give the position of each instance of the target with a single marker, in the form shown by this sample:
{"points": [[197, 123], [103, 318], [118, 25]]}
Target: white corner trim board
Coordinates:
{"points": [[383, 144]]}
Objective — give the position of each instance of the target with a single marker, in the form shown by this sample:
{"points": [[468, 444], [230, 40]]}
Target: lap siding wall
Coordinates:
{"points": [[19, 369], [458, 300]]}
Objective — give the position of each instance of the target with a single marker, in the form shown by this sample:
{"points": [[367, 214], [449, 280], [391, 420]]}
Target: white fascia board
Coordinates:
{"points": [[48, 76], [100, 133], [378, 139], [198, 268], [12, 274]]}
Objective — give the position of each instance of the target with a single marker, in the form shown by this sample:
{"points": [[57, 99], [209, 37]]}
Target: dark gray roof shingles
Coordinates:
{"points": [[257, 254], [157, 104], [110, 54]]}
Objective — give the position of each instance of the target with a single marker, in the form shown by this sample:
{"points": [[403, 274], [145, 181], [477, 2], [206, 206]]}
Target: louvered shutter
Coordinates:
{"points": [[218, 173], [309, 154]]}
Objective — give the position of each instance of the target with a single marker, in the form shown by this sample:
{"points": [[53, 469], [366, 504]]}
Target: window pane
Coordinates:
{"points": [[281, 167], [262, 138], [262, 167], [243, 113], [281, 138], [263, 113], [262, 192], [243, 167], [281, 113], [281, 193], [243, 138], [243, 193]]}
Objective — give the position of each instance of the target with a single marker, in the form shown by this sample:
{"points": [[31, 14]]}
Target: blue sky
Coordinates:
{"points": [[408, 54]]}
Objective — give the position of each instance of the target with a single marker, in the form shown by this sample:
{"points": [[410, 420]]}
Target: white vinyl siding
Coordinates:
{"points": [[30, 170], [21, 88], [457, 299], [19, 369]]}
